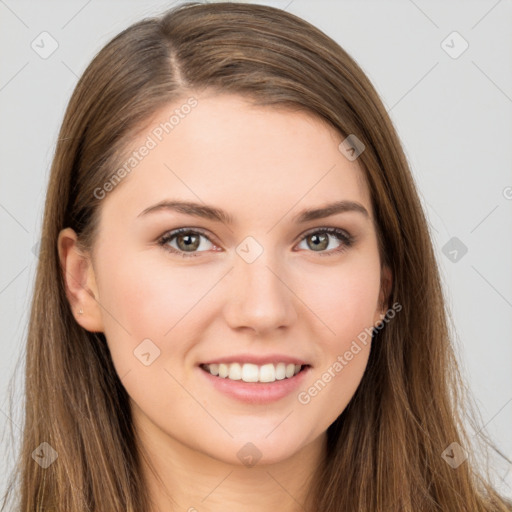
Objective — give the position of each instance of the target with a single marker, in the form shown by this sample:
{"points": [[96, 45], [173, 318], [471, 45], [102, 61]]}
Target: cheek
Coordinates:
{"points": [[143, 312], [344, 357], [330, 390], [143, 301], [147, 299], [346, 306], [343, 298]]}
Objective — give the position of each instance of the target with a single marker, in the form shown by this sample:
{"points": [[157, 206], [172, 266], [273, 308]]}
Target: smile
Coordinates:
{"points": [[249, 372], [255, 384]]}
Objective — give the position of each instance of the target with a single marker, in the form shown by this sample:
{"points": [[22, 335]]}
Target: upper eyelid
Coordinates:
{"points": [[174, 232]]}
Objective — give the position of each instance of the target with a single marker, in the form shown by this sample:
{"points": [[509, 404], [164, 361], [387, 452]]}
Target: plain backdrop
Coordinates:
{"points": [[448, 94]]}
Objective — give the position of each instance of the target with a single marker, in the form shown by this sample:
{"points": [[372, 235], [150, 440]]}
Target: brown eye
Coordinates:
{"points": [[319, 240], [187, 242]]}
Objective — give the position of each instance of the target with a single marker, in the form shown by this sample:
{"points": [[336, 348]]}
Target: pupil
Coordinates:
{"points": [[188, 242], [319, 242]]}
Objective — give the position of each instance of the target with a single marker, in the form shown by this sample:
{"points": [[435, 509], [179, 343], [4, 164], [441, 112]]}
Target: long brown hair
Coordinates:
{"points": [[384, 450]]}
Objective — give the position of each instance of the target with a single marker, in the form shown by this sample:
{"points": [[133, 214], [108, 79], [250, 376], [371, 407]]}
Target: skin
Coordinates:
{"points": [[263, 166]]}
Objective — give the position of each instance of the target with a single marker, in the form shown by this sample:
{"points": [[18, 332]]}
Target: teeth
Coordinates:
{"points": [[267, 373], [235, 372], [280, 371], [223, 370], [252, 372]]}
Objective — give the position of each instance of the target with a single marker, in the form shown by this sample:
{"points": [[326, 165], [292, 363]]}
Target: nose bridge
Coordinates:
{"points": [[260, 298]]}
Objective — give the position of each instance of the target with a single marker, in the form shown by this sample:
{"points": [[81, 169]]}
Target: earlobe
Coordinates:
{"points": [[79, 279]]}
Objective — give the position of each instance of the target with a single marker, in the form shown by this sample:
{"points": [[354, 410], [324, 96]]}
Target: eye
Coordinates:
{"points": [[188, 241], [319, 240]]}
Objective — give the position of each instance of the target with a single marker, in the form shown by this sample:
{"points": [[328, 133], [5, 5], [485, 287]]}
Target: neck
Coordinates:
{"points": [[179, 478]]}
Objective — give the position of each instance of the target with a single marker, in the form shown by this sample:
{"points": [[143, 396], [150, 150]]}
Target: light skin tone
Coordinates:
{"points": [[263, 166]]}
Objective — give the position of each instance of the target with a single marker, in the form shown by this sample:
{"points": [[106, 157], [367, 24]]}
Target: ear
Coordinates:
{"points": [[386, 282], [81, 289]]}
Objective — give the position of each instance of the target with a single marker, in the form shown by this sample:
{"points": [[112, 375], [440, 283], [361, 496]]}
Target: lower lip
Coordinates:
{"points": [[256, 392]]}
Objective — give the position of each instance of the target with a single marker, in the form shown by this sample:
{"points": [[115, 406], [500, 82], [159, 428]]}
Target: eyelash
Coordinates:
{"points": [[340, 234]]}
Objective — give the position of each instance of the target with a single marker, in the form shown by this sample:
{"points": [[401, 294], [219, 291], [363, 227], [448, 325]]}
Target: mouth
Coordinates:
{"points": [[253, 373], [255, 384]]}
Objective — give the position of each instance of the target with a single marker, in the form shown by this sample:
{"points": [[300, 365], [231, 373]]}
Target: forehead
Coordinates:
{"points": [[226, 151]]}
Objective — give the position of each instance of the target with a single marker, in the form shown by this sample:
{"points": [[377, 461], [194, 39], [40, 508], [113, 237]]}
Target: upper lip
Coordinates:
{"points": [[257, 359]]}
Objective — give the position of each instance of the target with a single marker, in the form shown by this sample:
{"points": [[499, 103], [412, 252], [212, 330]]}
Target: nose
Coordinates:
{"points": [[260, 296]]}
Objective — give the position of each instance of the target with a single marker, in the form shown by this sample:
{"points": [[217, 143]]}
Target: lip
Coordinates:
{"points": [[257, 359], [255, 392]]}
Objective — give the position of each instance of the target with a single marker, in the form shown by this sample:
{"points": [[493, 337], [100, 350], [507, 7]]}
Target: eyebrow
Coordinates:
{"points": [[219, 215]]}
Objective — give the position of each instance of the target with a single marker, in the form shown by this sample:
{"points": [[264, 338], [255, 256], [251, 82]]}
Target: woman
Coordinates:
{"points": [[237, 304]]}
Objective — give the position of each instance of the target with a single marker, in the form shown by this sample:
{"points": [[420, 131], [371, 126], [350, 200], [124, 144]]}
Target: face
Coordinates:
{"points": [[265, 282]]}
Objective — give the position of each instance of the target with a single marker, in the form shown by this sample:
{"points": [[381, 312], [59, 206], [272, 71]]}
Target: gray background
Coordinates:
{"points": [[452, 114]]}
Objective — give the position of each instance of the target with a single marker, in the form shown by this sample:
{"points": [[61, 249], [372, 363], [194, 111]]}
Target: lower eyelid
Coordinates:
{"points": [[171, 236], [344, 237]]}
